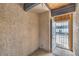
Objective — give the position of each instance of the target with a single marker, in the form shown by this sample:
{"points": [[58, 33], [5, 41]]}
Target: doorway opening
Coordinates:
{"points": [[62, 32]]}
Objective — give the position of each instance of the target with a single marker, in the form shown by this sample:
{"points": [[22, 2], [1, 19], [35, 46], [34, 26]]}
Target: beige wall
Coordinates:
{"points": [[77, 30], [44, 31], [19, 30]]}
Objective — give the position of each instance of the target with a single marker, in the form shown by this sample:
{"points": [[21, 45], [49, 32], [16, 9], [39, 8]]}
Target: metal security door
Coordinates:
{"points": [[62, 34]]}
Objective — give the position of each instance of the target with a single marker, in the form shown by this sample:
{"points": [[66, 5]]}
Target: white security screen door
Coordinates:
{"points": [[62, 34]]}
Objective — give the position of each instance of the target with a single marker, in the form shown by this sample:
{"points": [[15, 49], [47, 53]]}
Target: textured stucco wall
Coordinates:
{"points": [[44, 31], [77, 30], [19, 30]]}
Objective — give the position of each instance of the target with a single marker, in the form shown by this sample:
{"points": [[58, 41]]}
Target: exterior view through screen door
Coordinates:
{"points": [[62, 34], [62, 31]]}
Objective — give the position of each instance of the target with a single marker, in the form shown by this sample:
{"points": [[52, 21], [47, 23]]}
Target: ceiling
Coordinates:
{"points": [[56, 5]]}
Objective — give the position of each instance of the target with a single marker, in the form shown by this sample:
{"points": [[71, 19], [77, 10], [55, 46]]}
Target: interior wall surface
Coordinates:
{"points": [[19, 30], [77, 30], [44, 30]]}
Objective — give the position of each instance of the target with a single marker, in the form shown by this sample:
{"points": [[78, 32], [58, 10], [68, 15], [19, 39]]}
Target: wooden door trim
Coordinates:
{"points": [[71, 31], [68, 17]]}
